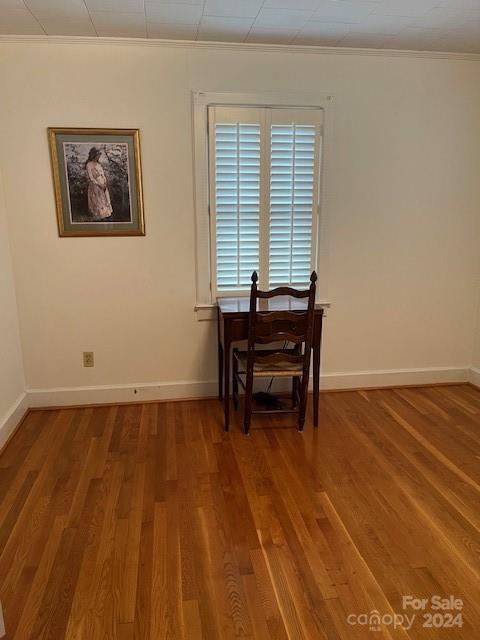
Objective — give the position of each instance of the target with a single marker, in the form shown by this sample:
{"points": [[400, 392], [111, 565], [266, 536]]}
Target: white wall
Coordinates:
{"points": [[402, 213], [476, 356], [12, 396], [475, 370], [476, 346]]}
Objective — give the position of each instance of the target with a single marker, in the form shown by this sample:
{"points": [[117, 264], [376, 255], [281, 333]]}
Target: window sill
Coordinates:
{"points": [[209, 311], [206, 312]]}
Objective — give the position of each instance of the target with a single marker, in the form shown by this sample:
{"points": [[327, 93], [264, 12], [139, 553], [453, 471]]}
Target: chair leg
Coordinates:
{"points": [[294, 392], [301, 420], [235, 382], [248, 402], [295, 380], [303, 403]]}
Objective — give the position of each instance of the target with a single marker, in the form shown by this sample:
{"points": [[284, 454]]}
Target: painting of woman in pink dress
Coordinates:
{"points": [[97, 181], [99, 203]]}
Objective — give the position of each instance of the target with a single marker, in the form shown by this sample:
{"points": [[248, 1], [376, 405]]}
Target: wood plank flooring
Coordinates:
{"points": [[148, 522]]}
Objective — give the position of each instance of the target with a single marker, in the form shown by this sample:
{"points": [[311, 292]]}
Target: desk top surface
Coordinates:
{"points": [[280, 303]]}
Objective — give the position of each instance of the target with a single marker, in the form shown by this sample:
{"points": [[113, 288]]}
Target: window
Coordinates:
{"points": [[264, 168]]}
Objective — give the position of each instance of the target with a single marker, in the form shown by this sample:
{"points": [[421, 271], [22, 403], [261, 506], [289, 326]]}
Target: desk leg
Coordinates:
{"points": [[317, 342], [220, 371], [226, 382], [220, 354]]}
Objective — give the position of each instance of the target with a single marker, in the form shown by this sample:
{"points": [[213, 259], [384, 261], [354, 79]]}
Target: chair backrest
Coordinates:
{"points": [[266, 327]]}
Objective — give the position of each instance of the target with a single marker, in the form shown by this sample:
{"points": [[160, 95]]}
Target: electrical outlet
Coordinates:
{"points": [[88, 360]]}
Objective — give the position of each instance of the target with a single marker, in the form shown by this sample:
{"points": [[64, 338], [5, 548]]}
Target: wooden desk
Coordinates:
{"points": [[233, 327]]}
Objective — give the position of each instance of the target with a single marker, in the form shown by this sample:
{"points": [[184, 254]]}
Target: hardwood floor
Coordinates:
{"points": [[147, 521]]}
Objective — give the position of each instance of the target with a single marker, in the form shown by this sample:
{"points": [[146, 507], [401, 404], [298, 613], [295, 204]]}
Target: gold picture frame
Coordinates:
{"points": [[97, 178]]}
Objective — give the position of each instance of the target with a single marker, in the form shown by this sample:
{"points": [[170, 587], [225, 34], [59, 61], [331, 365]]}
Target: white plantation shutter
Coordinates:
{"points": [[293, 201], [264, 168], [236, 186]]}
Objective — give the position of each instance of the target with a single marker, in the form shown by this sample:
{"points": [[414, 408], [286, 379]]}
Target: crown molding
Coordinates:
{"points": [[237, 46]]}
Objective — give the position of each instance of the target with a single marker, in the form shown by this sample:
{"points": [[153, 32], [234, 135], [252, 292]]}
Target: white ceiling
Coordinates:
{"points": [[436, 25]]}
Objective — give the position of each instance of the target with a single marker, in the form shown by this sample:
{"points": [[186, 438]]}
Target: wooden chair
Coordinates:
{"points": [[268, 327]]}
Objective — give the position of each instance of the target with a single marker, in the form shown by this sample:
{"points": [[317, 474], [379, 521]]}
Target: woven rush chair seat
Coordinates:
{"points": [[269, 369]]}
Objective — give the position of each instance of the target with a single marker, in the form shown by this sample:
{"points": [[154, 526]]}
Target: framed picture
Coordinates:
{"points": [[98, 181]]}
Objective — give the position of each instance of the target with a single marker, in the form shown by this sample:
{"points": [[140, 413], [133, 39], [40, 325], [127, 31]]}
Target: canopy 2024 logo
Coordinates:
{"points": [[436, 612]]}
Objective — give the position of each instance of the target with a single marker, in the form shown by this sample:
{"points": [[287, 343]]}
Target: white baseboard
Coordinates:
{"points": [[474, 376], [393, 378], [10, 420], [145, 392]]}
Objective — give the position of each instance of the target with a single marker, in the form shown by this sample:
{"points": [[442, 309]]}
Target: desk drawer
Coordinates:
{"points": [[238, 329]]}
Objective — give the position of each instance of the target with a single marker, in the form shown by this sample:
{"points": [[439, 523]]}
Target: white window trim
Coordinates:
{"points": [[205, 305]]}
